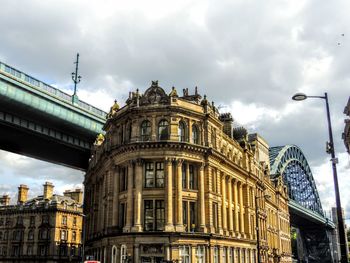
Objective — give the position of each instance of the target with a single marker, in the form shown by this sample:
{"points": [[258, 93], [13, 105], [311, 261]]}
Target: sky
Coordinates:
{"points": [[249, 57]]}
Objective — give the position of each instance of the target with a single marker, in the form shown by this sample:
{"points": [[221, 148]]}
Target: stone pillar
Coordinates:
{"points": [[230, 216], [129, 205], [179, 222], [202, 226], [241, 208], [138, 197], [169, 226], [235, 189]]}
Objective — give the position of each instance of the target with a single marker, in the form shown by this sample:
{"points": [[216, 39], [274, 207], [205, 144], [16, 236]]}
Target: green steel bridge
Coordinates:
{"points": [[311, 229], [41, 121]]}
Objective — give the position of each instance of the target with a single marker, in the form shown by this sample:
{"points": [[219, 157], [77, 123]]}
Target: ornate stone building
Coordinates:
{"points": [[47, 228], [172, 180], [346, 133]]}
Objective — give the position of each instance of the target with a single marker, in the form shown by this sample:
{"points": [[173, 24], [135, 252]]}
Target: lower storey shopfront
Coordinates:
{"points": [[177, 248]]}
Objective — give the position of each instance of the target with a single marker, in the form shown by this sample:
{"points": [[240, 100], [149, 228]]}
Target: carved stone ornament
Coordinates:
{"points": [[154, 95]]}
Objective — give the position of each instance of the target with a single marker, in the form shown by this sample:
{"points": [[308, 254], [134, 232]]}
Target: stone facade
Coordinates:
{"points": [[171, 180], [47, 228], [346, 133]]}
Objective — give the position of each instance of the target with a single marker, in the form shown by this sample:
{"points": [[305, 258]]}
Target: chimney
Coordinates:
{"points": [[76, 195], [22, 193], [227, 119], [5, 200], [48, 190]]}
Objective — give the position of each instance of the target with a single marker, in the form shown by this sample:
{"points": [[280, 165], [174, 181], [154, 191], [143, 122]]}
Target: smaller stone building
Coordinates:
{"points": [[47, 228]]}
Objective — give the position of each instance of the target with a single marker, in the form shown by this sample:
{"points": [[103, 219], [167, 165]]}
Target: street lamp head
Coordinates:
{"points": [[299, 96]]}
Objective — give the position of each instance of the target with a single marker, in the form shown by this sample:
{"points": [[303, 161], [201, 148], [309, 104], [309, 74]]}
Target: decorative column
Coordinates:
{"points": [[202, 226], [137, 197], [169, 226], [241, 208], [230, 215], [179, 222], [224, 215], [235, 189], [129, 204]]}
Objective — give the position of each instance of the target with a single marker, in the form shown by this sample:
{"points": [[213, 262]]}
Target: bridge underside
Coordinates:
{"points": [[310, 242], [31, 133]]}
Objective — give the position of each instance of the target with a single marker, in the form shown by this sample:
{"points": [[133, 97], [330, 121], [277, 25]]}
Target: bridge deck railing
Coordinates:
{"points": [[48, 89]]}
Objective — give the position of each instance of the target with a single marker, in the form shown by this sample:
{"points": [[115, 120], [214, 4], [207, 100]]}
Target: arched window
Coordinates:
{"points": [[182, 131], [163, 130], [123, 253], [195, 134], [114, 254], [146, 130]]}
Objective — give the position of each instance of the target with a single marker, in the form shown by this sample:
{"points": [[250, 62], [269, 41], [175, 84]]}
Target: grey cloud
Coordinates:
{"points": [[248, 51]]}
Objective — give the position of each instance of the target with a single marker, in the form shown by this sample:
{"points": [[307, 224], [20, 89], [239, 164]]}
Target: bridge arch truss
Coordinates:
{"points": [[290, 162]]}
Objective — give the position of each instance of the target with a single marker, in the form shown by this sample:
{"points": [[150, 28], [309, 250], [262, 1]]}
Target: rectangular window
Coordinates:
{"points": [[63, 235], [184, 176], [185, 254], [200, 254], [123, 179], [215, 216], [224, 252], [154, 215], [74, 221], [159, 174], [216, 255], [192, 177], [74, 236], [193, 216], [122, 210], [213, 181], [184, 215], [149, 176], [148, 215], [64, 220], [160, 215], [154, 174]]}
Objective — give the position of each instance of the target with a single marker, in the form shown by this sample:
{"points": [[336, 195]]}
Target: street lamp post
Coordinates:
{"points": [[257, 224], [334, 160]]}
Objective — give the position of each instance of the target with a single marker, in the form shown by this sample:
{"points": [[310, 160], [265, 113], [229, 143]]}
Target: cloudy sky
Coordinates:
{"points": [[248, 56]]}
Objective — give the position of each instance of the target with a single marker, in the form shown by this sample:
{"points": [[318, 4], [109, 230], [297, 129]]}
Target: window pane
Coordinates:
{"points": [[146, 130], [149, 176], [160, 218], [184, 177], [163, 130], [148, 215], [159, 174]]}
